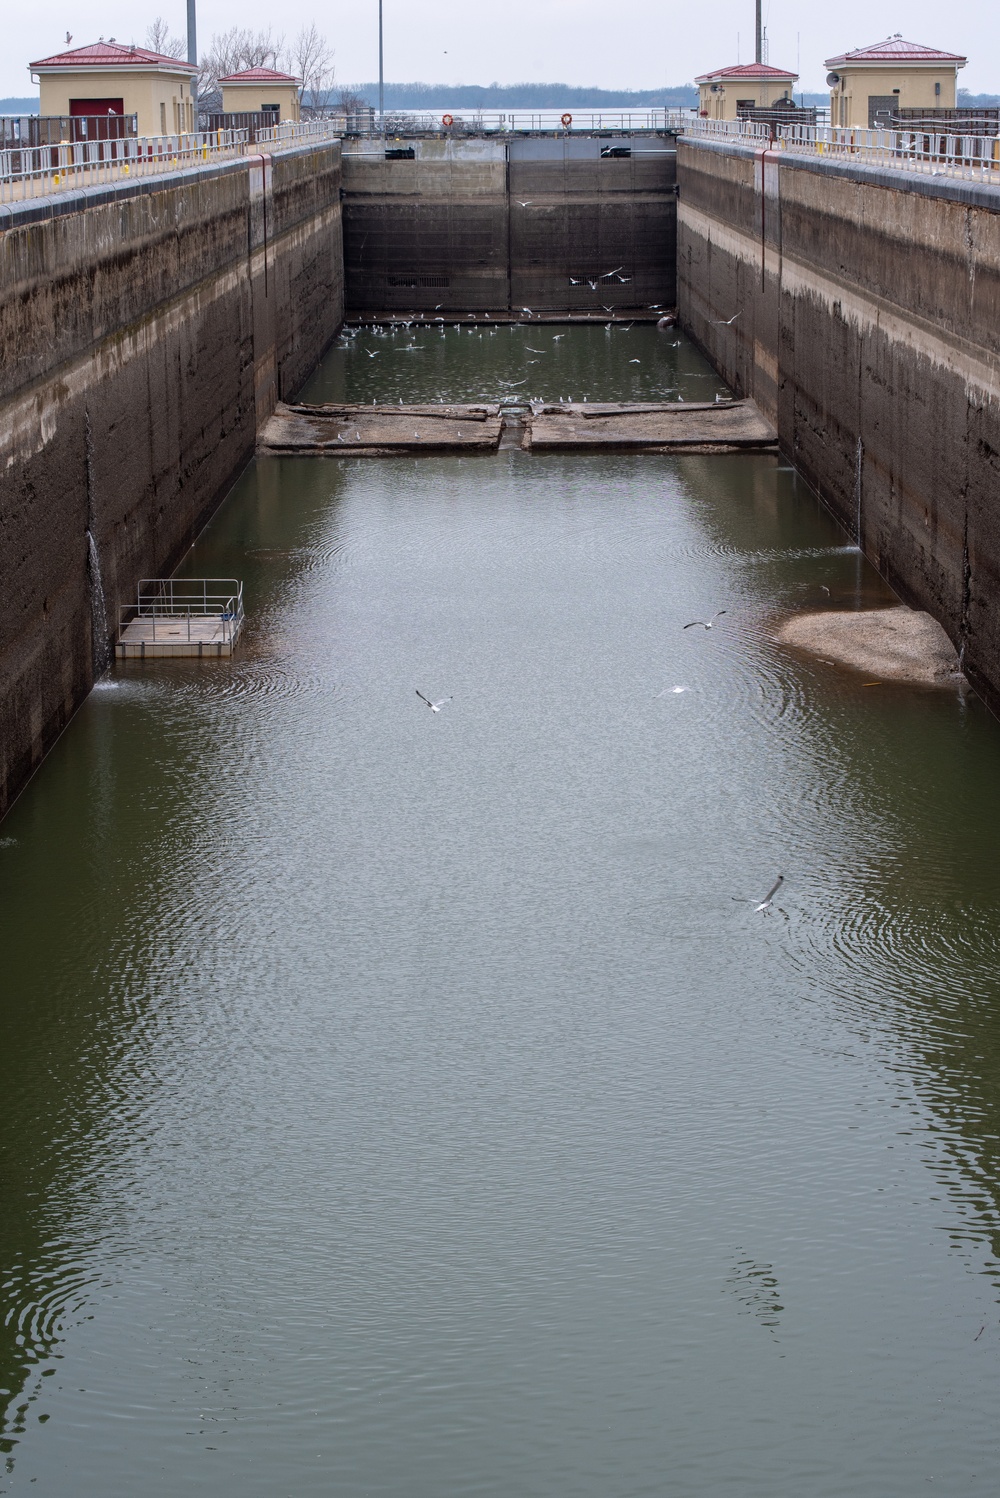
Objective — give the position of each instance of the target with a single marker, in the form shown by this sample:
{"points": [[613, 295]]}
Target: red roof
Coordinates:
{"points": [[895, 49], [750, 71], [259, 75], [112, 55]]}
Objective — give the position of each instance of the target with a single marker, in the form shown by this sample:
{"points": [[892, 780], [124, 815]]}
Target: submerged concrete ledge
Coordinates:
{"points": [[896, 644], [376, 431], [674, 426]]}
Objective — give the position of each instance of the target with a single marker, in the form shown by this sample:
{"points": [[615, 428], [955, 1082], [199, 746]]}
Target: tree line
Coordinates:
{"points": [[308, 56]]}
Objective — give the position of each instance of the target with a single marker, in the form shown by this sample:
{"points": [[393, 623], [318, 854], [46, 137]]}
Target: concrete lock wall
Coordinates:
{"points": [[146, 331], [482, 225], [865, 309]]}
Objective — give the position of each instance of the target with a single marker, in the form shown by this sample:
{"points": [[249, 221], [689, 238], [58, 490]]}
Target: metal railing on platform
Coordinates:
{"points": [[907, 147], [191, 599]]}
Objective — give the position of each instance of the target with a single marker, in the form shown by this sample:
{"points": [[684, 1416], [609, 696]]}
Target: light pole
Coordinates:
{"points": [[758, 37], [381, 71], [193, 58]]}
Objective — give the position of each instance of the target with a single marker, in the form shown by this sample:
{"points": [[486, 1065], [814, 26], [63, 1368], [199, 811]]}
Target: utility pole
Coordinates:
{"points": [[381, 71], [758, 35], [193, 57]]}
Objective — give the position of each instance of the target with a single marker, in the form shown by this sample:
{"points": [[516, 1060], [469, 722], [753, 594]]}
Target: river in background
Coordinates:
{"points": [[414, 1104]]}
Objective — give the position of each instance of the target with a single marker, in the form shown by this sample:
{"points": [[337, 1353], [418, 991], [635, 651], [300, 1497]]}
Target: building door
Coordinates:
{"points": [[96, 106], [882, 111], [97, 119]]}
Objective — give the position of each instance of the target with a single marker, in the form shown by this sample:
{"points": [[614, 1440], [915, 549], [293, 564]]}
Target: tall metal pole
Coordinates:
{"points": [[381, 72], [758, 37], [193, 58]]}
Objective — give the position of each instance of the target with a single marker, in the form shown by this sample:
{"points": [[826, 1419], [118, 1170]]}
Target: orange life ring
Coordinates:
{"points": [[566, 121], [447, 120]]}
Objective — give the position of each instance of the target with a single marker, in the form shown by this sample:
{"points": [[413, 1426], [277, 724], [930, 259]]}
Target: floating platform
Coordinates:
{"points": [[670, 426], [381, 431], [195, 617]]}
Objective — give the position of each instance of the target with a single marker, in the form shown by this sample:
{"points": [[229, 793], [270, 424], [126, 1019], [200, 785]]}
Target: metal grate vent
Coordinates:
{"points": [[415, 281]]}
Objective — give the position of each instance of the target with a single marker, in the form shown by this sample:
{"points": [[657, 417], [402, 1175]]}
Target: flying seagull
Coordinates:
{"points": [[436, 707], [765, 905], [724, 322], [523, 205], [705, 623]]}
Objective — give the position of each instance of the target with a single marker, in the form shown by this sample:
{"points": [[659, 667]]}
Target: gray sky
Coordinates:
{"points": [[625, 44]]}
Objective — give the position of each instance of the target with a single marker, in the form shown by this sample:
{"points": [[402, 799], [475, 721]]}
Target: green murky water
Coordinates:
{"points": [[414, 1104]]}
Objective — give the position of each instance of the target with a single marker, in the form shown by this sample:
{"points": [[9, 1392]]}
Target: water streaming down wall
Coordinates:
{"points": [[99, 651]]}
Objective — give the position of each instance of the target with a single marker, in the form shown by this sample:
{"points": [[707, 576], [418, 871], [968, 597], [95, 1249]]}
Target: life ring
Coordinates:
{"points": [[566, 121], [447, 121]]}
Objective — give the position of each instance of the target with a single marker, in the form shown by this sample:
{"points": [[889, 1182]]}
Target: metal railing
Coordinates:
{"points": [[188, 598], [20, 130], [934, 152], [474, 122], [35, 171]]}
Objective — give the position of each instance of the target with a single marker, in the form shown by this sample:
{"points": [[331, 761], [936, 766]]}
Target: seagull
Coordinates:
{"points": [[614, 272], [592, 285], [526, 309], [635, 361], [607, 309], [705, 623], [765, 905], [373, 355], [556, 337], [725, 322], [671, 691], [535, 350], [521, 382], [523, 205], [436, 707]]}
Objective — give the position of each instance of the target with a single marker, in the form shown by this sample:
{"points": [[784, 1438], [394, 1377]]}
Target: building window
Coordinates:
{"points": [[163, 119]]}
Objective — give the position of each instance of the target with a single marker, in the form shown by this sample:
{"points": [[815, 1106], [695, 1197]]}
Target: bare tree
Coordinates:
{"points": [[349, 101], [312, 62], [158, 39], [231, 52]]}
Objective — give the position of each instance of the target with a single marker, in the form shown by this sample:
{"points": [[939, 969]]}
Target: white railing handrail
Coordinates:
{"points": [[34, 171], [906, 146], [475, 121]]}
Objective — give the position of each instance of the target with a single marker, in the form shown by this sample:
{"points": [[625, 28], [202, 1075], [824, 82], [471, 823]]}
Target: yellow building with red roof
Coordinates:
{"points": [[744, 84], [110, 78], [870, 83]]}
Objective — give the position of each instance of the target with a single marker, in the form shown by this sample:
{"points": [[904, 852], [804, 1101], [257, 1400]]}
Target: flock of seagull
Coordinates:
{"points": [[766, 906]]}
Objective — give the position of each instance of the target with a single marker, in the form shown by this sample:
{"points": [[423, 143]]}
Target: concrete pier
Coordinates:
{"points": [[859, 307]]}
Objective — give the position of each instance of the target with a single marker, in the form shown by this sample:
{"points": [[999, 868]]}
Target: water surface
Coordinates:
{"points": [[410, 1103]]}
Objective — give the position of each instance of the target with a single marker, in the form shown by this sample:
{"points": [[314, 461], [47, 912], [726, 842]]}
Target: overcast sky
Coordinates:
{"points": [[624, 44]]}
